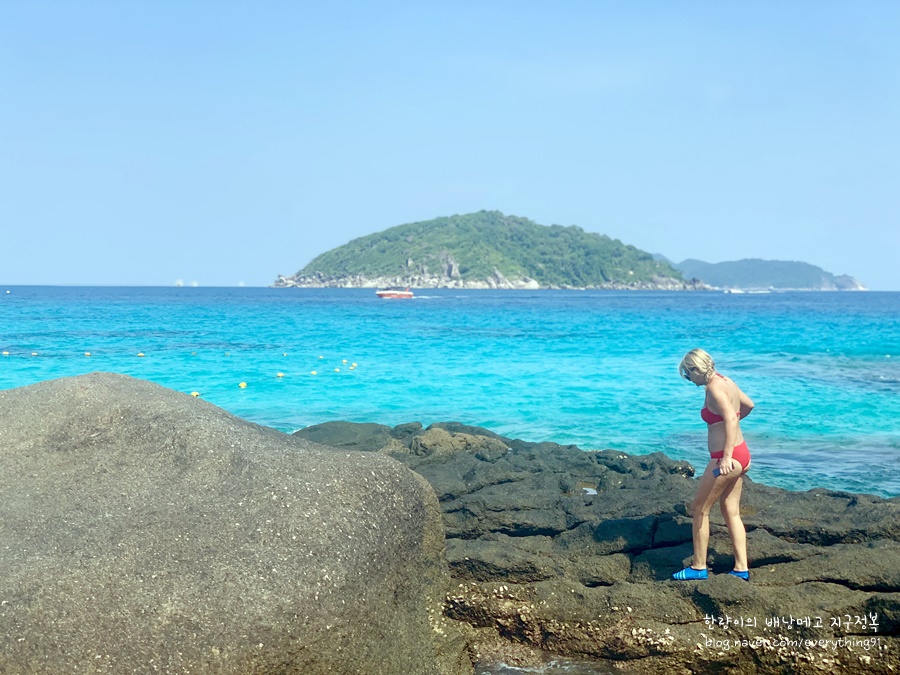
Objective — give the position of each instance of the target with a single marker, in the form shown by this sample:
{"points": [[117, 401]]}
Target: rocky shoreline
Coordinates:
{"points": [[496, 282], [556, 550], [145, 530]]}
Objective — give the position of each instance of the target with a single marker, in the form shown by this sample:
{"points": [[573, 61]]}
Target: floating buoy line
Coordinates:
{"points": [[243, 384]]}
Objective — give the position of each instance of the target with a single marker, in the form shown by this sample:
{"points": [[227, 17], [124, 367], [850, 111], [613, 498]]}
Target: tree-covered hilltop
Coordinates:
{"points": [[486, 250]]}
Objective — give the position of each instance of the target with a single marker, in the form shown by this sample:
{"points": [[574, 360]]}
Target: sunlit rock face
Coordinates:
{"points": [[144, 530]]}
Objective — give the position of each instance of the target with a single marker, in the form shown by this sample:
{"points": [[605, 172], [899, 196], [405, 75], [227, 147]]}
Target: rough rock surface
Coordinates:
{"points": [[558, 550], [495, 281], [147, 531]]}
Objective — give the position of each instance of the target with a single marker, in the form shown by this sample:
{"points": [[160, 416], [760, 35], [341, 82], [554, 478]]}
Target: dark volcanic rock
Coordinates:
{"points": [[572, 552], [147, 531]]}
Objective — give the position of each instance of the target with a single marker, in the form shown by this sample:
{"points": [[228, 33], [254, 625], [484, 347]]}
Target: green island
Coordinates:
{"points": [[755, 274], [487, 250], [491, 250]]}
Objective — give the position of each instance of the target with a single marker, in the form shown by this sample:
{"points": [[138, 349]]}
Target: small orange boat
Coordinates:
{"points": [[395, 294]]}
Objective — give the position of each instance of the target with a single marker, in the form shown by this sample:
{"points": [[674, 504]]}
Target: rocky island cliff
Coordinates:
{"points": [[487, 250], [490, 250]]}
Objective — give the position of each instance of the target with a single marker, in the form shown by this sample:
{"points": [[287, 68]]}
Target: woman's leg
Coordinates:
{"points": [[710, 488], [730, 503]]}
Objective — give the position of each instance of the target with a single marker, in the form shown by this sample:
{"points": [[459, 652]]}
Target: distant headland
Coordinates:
{"points": [[779, 275], [490, 250]]}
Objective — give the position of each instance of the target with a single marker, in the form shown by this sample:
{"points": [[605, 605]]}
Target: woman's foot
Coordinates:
{"points": [[742, 574], [690, 574]]}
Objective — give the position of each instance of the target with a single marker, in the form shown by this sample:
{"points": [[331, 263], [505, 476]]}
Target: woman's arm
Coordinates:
{"points": [[747, 404], [719, 394]]}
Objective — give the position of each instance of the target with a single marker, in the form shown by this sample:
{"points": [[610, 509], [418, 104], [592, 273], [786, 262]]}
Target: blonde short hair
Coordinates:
{"points": [[697, 361]]}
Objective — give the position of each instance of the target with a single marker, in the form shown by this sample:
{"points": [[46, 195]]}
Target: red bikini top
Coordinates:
{"points": [[709, 416]]}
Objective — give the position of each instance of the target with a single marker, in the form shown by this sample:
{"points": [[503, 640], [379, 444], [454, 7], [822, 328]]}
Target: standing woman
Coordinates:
{"points": [[724, 407]]}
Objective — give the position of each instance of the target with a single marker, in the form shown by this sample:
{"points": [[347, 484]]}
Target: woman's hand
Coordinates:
{"points": [[726, 466]]}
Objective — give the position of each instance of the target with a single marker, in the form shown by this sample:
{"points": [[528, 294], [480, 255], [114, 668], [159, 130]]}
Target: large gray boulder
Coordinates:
{"points": [[142, 530]]}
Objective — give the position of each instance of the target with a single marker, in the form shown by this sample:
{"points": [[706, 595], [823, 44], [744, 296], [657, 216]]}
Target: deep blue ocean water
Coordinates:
{"points": [[593, 368]]}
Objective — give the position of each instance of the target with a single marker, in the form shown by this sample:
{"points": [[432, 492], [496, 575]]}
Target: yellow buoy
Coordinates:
{"points": [[195, 393], [5, 353], [321, 357], [337, 370], [140, 353], [343, 360], [34, 353], [280, 375], [243, 385], [313, 372], [87, 353], [285, 354]]}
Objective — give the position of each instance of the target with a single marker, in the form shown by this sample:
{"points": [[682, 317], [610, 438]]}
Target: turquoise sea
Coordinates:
{"points": [[593, 368]]}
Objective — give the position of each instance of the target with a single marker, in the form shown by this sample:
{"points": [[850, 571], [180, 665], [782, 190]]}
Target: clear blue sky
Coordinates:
{"points": [[227, 142]]}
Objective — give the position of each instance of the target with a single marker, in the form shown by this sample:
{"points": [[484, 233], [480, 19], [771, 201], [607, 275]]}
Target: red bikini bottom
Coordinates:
{"points": [[741, 455]]}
